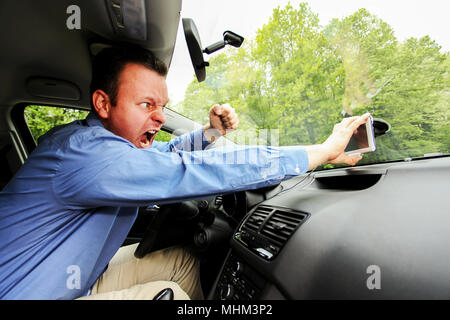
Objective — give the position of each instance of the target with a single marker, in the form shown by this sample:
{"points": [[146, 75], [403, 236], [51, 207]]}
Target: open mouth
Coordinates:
{"points": [[147, 138]]}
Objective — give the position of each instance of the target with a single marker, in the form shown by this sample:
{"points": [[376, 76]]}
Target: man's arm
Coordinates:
{"points": [[224, 119], [124, 176]]}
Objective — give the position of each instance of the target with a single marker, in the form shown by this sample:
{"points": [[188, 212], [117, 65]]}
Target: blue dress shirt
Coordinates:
{"points": [[70, 207]]}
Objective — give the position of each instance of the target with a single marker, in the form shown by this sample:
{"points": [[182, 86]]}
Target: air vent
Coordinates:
{"points": [[281, 225], [267, 229], [255, 221]]}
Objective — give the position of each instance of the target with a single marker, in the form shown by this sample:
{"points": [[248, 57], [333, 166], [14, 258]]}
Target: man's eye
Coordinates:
{"points": [[150, 106], [145, 105]]}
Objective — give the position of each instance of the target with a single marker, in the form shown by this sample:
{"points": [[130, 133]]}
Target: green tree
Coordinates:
{"points": [[304, 73], [301, 78]]}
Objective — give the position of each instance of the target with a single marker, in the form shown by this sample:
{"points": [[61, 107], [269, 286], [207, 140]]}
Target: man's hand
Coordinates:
{"points": [[222, 120], [333, 149], [338, 140]]}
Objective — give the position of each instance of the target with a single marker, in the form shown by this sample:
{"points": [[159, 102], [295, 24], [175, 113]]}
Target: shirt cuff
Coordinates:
{"points": [[199, 140], [294, 160]]}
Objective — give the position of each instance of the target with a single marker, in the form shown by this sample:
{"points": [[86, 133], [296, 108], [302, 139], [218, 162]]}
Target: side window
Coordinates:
{"points": [[40, 119], [163, 136]]}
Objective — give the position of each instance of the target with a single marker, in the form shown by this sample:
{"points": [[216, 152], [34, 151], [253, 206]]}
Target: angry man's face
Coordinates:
{"points": [[139, 111]]}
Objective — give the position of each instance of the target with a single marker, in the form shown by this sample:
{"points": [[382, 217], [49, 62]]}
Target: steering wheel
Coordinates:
{"points": [[187, 210]]}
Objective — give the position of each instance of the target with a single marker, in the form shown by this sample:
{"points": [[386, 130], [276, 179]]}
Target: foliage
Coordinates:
{"points": [[298, 79], [40, 119], [163, 136]]}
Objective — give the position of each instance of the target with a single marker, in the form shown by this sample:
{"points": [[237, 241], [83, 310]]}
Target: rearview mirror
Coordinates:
{"points": [[195, 46]]}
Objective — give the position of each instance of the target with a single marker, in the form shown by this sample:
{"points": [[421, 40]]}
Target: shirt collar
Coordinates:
{"points": [[93, 120]]}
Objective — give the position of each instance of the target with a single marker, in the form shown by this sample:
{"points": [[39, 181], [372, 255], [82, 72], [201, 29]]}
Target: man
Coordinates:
{"points": [[69, 208]]}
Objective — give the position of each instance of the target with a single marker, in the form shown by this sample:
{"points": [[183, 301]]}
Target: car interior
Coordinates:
{"points": [[376, 231]]}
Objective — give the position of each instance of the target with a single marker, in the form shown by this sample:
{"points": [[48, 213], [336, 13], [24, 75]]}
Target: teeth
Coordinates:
{"points": [[149, 135]]}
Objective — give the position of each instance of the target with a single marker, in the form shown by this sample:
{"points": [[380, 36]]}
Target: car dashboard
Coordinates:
{"points": [[371, 232]]}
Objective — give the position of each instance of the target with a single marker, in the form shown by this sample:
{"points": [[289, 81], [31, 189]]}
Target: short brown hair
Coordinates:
{"points": [[109, 62]]}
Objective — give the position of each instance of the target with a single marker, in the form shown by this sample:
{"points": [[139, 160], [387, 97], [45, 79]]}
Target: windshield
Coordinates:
{"points": [[305, 65]]}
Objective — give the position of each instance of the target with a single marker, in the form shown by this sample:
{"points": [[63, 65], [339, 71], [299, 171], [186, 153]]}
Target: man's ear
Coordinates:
{"points": [[101, 103]]}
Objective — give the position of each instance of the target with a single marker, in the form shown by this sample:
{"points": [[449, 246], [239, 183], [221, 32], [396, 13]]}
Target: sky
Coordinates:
{"points": [[408, 18]]}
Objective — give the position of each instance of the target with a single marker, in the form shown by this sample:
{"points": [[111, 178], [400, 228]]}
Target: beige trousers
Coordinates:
{"points": [[129, 278]]}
